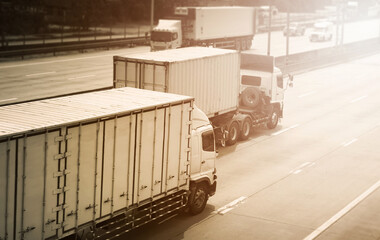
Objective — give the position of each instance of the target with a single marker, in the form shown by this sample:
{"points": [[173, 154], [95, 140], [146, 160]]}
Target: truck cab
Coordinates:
{"points": [[322, 31], [202, 165], [166, 35], [261, 81]]}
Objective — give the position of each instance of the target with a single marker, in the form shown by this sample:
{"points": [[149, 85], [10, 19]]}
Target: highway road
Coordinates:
{"points": [[315, 176], [353, 32], [52, 76]]}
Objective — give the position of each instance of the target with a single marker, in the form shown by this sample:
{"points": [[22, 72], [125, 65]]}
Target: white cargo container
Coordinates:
{"points": [[225, 27], [210, 75], [116, 159]]}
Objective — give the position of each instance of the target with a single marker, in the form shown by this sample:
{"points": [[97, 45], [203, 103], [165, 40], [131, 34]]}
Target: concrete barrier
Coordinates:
{"points": [[306, 61]]}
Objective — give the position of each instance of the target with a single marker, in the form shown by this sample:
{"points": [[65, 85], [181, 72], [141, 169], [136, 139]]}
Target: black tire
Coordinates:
{"points": [[273, 121], [250, 97], [246, 128], [198, 199], [243, 45], [249, 44], [233, 133]]}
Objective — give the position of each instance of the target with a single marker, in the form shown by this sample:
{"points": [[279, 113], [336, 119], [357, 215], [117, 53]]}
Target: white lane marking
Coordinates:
{"points": [[223, 210], [345, 144], [284, 130], [81, 77], [38, 74], [342, 212], [302, 167], [307, 94], [358, 99], [9, 99]]}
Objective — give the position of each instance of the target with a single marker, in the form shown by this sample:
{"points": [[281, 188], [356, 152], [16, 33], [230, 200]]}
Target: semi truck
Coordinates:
{"points": [[236, 91], [222, 27], [99, 164]]}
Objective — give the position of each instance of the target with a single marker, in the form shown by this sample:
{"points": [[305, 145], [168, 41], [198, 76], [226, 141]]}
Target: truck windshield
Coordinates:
{"points": [[161, 36]]}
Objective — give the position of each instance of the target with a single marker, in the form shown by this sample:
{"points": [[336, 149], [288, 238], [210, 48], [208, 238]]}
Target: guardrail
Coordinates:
{"points": [[55, 48], [310, 60]]}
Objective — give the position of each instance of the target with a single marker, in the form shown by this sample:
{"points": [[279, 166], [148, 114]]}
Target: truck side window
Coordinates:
{"points": [[250, 80], [280, 81], [208, 141]]}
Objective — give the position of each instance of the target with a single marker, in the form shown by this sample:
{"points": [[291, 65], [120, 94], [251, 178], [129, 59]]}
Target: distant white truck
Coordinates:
{"points": [[322, 31], [237, 92], [223, 27], [99, 164]]}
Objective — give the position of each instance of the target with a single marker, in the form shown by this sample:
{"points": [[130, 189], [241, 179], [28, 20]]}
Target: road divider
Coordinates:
{"points": [[323, 57]]}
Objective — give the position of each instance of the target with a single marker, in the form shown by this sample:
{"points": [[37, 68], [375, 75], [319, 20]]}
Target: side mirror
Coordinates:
{"points": [[291, 80]]}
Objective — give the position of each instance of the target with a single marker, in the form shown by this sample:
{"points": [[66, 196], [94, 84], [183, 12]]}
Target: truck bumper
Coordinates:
{"points": [[212, 189]]}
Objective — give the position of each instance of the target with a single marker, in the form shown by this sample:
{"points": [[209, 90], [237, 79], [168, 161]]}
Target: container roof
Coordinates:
{"points": [[180, 54], [50, 113]]}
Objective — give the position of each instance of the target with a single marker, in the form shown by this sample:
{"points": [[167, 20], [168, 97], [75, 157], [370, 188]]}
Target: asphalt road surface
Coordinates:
{"points": [[53, 76], [315, 176]]}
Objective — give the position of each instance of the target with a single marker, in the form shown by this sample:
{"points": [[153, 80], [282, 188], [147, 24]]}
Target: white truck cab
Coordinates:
{"points": [[270, 84], [322, 31], [203, 152], [260, 80], [166, 35]]}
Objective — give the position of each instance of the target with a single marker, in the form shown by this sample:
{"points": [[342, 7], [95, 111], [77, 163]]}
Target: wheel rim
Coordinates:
{"points": [[274, 117], [199, 198], [251, 99], [233, 133], [246, 128]]}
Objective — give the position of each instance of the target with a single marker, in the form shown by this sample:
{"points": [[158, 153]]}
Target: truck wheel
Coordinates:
{"points": [[272, 123], [198, 198], [249, 43], [233, 133], [250, 97], [243, 45], [245, 129], [238, 45]]}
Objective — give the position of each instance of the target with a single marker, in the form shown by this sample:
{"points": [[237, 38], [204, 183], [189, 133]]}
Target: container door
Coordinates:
{"points": [[124, 153], [108, 166], [126, 73], [84, 178], [149, 160], [154, 77], [7, 188], [39, 210], [177, 146]]}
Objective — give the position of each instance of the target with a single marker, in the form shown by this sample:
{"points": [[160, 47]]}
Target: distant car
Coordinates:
{"points": [[295, 29], [322, 31]]}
